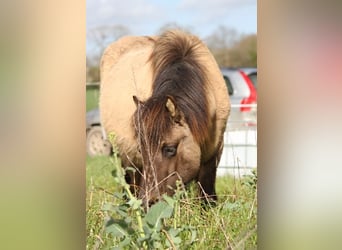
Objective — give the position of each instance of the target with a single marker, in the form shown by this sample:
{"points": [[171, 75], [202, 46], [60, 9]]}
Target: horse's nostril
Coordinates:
{"points": [[153, 201]]}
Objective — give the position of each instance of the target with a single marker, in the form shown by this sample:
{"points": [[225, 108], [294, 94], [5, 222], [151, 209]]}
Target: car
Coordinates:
{"points": [[96, 139], [252, 74], [243, 97]]}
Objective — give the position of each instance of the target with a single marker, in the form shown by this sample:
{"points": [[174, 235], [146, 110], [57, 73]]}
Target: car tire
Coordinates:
{"points": [[96, 145]]}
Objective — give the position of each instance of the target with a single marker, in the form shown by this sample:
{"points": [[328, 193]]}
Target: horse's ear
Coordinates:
{"points": [[171, 107], [136, 101], [176, 115]]}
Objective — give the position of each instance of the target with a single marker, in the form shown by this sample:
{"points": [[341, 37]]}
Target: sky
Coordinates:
{"points": [[146, 17]]}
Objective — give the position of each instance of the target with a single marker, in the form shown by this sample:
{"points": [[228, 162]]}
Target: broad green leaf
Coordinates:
{"points": [[119, 195], [107, 207], [155, 236], [116, 230], [124, 243], [193, 235], [157, 212], [169, 200], [157, 245], [135, 203], [173, 232], [176, 240]]}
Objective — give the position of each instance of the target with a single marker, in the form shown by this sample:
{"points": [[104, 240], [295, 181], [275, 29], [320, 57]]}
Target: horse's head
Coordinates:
{"points": [[169, 150]]}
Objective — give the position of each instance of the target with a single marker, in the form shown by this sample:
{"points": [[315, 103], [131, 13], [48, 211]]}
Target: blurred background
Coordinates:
{"points": [[229, 27]]}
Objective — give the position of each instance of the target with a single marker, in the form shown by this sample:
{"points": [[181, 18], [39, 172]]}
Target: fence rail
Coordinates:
{"points": [[243, 106], [239, 156]]}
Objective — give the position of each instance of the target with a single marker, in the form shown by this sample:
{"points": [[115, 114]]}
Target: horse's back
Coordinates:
{"points": [[125, 72]]}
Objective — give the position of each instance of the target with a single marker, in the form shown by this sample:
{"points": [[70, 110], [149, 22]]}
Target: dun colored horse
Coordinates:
{"points": [[166, 101]]}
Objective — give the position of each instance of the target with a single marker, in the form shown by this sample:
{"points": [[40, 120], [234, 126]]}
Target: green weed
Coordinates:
{"points": [[116, 219]]}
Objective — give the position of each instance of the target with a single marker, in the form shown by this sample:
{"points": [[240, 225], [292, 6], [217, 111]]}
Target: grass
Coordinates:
{"points": [[231, 224], [92, 97]]}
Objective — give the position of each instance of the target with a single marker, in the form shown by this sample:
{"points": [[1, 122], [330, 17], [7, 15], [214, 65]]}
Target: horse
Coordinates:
{"points": [[166, 101]]}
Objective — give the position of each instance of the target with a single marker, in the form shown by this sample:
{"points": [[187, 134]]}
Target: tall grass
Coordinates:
{"points": [[231, 224]]}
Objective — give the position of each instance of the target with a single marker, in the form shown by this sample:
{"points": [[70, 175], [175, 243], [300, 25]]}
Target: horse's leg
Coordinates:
{"points": [[207, 176]]}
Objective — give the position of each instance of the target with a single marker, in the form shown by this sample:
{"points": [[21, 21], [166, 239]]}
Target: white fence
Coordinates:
{"points": [[239, 155]]}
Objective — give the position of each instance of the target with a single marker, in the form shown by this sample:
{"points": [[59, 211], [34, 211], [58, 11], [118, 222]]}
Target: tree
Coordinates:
{"points": [[220, 42], [93, 74], [98, 39], [244, 53], [232, 49], [222, 38]]}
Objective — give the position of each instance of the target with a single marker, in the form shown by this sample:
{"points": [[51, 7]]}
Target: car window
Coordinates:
{"points": [[229, 85], [254, 78]]}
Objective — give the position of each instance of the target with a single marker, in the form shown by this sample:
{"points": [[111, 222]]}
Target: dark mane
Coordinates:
{"points": [[178, 73]]}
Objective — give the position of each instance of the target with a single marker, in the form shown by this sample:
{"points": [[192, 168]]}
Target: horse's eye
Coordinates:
{"points": [[169, 151]]}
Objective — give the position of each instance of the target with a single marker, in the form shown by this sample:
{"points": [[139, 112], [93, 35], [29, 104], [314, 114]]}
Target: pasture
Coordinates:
{"points": [[179, 223], [92, 96]]}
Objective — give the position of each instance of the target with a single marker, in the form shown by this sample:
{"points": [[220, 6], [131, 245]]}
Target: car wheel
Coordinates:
{"points": [[96, 145]]}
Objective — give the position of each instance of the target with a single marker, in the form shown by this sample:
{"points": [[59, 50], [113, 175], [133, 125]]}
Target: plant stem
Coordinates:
{"points": [[169, 239], [137, 212], [176, 215]]}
